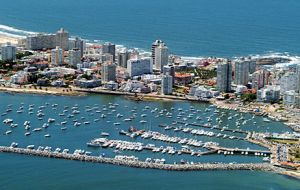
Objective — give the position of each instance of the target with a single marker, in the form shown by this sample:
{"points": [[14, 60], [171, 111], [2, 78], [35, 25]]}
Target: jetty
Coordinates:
{"points": [[141, 164]]}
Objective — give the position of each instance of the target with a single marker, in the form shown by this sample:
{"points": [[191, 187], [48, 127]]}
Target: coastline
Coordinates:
{"points": [[49, 91], [8, 39]]}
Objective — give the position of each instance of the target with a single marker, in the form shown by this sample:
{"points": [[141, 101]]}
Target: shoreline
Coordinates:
{"points": [[50, 91]]}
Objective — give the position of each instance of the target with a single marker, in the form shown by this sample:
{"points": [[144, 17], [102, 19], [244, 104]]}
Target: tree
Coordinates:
{"points": [[248, 97]]}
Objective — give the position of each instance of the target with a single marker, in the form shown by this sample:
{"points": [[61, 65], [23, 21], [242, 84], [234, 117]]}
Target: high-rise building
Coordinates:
{"points": [[241, 73], [154, 45], [123, 57], [108, 72], [137, 67], [8, 52], [77, 43], [166, 84], [40, 41], [288, 82], [298, 77], [57, 56], [74, 57], [260, 79], [161, 56], [224, 76], [169, 70], [109, 48], [62, 39]]}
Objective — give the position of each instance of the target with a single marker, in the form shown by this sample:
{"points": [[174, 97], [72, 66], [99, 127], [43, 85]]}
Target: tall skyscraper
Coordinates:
{"points": [[137, 67], [166, 84], [74, 57], [108, 72], [77, 43], [154, 45], [260, 79], [62, 39], [224, 76], [8, 52], [161, 56], [109, 48], [241, 73], [169, 70], [57, 56], [298, 77], [123, 57]]}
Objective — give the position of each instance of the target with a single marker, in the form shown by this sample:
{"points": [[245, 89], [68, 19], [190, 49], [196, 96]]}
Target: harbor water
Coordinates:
{"points": [[47, 173]]}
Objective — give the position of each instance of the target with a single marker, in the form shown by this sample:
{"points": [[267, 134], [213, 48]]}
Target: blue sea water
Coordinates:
{"points": [[189, 27]]}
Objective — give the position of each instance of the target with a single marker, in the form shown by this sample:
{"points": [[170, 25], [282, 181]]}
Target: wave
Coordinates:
{"points": [[11, 35], [18, 33], [14, 31]]}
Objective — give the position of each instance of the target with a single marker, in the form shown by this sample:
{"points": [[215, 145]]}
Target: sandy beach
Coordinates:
{"points": [[4, 39], [45, 91]]}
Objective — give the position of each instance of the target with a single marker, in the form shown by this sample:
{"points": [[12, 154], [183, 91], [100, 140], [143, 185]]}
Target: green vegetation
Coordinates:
{"points": [[295, 154], [8, 65], [205, 74], [285, 141], [201, 73], [20, 55], [248, 97]]}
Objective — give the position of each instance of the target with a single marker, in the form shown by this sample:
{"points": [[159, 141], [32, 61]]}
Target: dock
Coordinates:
{"points": [[213, 127]]}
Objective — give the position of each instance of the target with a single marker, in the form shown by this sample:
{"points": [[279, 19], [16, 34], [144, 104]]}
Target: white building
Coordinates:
{"points": [[166, 84], [200, 92], [74, 57], [224, 76], [108, 72], [161, 56], [8, 52], [268, 94], [62, 39], [288, 82], [291, 98], [137, 67], [57, 56], [241, 73]]}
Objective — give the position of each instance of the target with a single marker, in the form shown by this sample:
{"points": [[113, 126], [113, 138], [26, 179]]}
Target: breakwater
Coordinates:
{"points": [[140, 164]]}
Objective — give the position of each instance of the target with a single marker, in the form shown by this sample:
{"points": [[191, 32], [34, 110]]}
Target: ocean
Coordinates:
{"points": [[225, 28]]}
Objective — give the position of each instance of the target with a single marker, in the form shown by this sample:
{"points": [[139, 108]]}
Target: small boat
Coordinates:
{"points": [[37, 129], [30, 147], [8, 132], [45, 125], [14, 145], [51, 120], [47, 135], [27, 134], [86, 122], [8, 121], [63, 128], [76, 124], [104, 134]]}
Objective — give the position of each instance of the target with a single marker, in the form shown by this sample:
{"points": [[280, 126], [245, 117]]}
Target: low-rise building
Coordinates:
{"points": [[269, 94]]}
